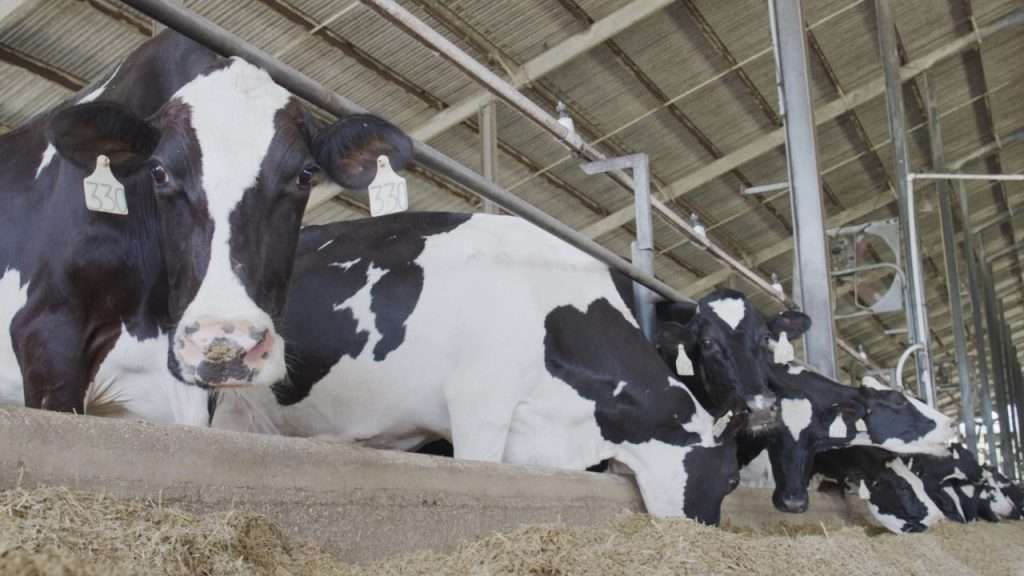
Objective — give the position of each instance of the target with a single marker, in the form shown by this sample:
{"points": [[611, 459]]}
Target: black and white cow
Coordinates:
{"points": [[486, 331], [895, 496], [98, 310], [817, 414], [950, 480], [998, 498]]}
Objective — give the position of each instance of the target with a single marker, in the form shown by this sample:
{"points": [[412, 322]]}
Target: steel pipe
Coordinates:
{"points": [[489, 148], [917, 313], [814, 280], [995, 340], [209, 34], [949, 251], [977, 314]]}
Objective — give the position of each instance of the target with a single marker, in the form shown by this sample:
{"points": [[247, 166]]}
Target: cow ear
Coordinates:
{"points": [[348, 149], [793, 323], [83, 132]]}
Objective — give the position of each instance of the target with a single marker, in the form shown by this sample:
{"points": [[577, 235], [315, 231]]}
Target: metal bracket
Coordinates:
{"points": [[846, 243], [643, 247]]}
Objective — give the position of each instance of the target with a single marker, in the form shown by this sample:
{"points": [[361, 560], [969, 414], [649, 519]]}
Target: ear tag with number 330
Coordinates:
{"points": [[103, 193], [387, 191]]}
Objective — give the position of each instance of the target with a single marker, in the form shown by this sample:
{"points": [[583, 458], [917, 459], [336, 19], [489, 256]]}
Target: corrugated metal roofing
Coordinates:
{"points": [[687, 49]]}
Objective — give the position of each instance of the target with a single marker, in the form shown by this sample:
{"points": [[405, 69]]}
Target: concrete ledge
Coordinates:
{"points": [[361, 504]]}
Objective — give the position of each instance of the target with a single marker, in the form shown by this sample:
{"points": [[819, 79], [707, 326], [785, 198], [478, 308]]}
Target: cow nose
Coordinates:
{"points": [[791, 504], [763, 413], [218, 353]]}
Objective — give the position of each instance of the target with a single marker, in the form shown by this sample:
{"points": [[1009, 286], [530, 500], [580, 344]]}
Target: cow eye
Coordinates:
{"points": [[159, 175], [307, 175], [707, 343]]}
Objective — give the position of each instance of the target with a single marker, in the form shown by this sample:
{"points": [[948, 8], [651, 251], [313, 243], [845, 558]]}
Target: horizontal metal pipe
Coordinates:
{"points": [[951, 176], [220, 40]]}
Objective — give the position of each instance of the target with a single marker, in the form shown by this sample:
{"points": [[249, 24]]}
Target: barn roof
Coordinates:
{"points": [[691, 83]]}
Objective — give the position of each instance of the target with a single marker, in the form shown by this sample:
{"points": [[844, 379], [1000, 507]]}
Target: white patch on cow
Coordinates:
{"points": [[233, 112], [838, 428], [730, 310], [50, 151], [673, 383], [796, 415], [761, 403], [862, 491], [45, 160], [325, 244], [795, 369], [684, 366], [12, 299], [618, 388], [133, 382], [956, 475], [873, 383], [359, 303], [968, 490], [344, 265], [956, 455], [782, 350], [934, 514], [758, 472], [956, 500], [95, 94], [860, 425]]}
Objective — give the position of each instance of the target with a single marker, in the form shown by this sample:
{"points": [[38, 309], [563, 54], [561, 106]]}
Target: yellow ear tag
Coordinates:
{"points": [[387, 191], [103, 193]]}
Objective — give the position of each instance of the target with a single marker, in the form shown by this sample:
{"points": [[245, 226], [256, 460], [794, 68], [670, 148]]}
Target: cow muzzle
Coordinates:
{"points": [[223, 354], [792, 503]]}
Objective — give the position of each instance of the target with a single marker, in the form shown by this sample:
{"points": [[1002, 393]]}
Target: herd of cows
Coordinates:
{"points": [[206, 305]]}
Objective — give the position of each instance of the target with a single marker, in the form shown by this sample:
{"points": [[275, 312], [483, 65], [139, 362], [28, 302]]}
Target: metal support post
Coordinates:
{"points": [[995, 341], [643, 247], [814, 283], [489, 148], [917, 314], [1012, 423], [1018, 383], [977, 315], [952, 274]]}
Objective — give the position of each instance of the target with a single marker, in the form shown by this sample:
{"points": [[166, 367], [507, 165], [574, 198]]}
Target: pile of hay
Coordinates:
{"points": [[61, 533]]}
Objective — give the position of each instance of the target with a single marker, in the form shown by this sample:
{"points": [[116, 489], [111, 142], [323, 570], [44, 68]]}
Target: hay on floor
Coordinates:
{"points": [[52, 531]]}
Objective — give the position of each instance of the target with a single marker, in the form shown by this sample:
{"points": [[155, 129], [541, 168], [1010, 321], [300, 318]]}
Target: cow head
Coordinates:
{"points": [[712, 470], [817, 414], [726, 341], [901, 423], [226, 167], [995, 499]]}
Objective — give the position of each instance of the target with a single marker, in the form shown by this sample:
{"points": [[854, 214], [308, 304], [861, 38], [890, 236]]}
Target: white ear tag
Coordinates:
{"points": [[387, 191], [721, 423], [782, 352], [103, 193], [684, 367]]}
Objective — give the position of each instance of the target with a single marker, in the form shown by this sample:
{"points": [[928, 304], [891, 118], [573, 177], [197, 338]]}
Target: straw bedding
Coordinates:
{"points": [[53, 531]]}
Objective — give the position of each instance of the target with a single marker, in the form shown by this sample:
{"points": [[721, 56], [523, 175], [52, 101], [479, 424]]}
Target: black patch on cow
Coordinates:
{"points": [[706, 467], [333, 263], [593, 351]]}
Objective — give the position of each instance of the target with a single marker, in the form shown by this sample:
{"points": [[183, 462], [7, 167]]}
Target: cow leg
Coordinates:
{"points": [[49, 347]]}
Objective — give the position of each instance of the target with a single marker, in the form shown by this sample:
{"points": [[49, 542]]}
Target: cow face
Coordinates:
{"points": [[228, 164], [817, 414], [712, 471], [726, 340], [995, 496], [901, 423]]}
